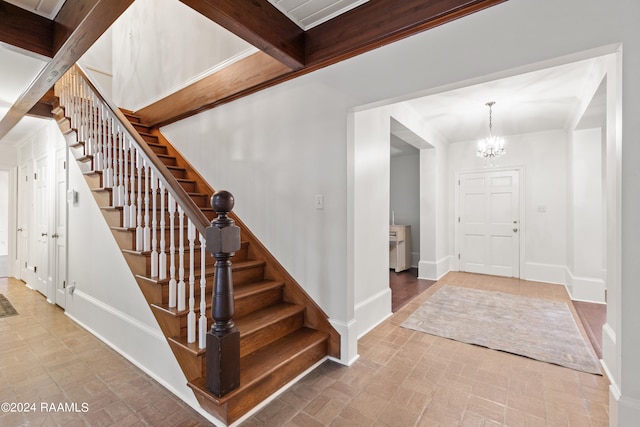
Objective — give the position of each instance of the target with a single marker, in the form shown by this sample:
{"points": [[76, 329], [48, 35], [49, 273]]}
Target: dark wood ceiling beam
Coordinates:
{"points": [[259, 23], [26, 30], [97, 17], [380, 22], [371, 25], [70, 16], [241, 78]]}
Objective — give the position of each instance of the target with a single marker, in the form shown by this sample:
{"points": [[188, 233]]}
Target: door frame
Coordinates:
{"points": [[43, 282], [521, 206], [58, 265]]}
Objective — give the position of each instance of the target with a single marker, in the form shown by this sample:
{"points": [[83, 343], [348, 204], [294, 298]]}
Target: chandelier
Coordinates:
{"points": [[491, 147]]}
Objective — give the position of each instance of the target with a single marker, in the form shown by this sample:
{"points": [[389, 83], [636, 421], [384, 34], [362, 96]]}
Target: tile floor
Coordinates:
{"points": [[402, 378]]}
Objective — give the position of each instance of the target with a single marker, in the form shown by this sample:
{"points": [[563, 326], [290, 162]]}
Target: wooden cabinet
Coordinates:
{"points": [[399, 247]]}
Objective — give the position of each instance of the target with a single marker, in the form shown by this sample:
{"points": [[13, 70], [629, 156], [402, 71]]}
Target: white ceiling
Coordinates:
{"points": [[47, 8], [17, 71], [532, 102], [309, 13]]}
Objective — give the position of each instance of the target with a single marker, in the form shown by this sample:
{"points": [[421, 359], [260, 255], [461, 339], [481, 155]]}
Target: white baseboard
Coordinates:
{"points": [[372, 311], [434, 270], [548, 273], [348, 341], [142, 345], [585, 288]]}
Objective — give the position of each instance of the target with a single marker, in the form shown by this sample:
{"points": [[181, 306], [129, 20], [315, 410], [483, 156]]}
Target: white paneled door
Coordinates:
{"points": [[489, 223], [60, 236], [42, 226], [25, 216]]}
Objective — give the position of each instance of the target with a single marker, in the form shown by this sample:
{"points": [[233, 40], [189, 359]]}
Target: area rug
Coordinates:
{"points": [[536, 328], [6, 309]]}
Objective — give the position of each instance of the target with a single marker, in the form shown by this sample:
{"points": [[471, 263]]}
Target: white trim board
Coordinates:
{"points": [[368, 313], [142, 345]]}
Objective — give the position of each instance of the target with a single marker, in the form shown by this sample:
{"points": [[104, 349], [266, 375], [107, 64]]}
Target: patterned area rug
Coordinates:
{"points": [[536, 328], [6, 309]]}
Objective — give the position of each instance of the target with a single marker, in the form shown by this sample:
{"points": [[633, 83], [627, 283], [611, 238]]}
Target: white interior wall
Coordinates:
{"points": [[427, 265], [97, 62], [405, 197], [585, 269], [184, 47]]}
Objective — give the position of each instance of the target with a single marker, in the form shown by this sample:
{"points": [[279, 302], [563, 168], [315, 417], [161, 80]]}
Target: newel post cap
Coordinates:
{"points": [[222, 236]]}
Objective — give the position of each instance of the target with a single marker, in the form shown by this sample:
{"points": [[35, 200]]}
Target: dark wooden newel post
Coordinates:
{"points": [[223, 340]]}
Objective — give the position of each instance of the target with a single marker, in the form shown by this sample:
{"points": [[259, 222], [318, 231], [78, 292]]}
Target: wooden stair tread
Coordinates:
{"points": [[246, 290], [249, 323], [240, 292], [237, 266], [260, 319], [265, 362]]}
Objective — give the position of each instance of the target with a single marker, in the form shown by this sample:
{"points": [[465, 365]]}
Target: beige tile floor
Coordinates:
{"points": [[402, 378]]}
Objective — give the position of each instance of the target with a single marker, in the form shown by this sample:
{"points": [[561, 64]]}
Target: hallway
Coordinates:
{"points": [[402, 377]]}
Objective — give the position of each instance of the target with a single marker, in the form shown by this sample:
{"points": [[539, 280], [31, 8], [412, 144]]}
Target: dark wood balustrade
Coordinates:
{"points": [[223, 340]]}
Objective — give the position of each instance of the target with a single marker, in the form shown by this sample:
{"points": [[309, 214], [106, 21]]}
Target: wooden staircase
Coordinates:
{"points": [[282, 331]]}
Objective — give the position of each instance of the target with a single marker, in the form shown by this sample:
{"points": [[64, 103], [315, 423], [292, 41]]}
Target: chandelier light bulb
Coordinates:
{"points": [[491, 147]]}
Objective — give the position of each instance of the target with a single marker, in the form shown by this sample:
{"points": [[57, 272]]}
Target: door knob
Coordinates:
{"points": [[43, 234], [515, 230], [19, 229], [55, 236]]}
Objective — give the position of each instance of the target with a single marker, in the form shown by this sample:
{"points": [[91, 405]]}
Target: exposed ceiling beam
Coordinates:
{"points": [[370, 25], [259, 23], [380, 22], [26, 30], [96, 17], [239, 79]]}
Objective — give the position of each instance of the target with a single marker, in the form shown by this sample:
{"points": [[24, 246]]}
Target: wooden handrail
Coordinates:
{"points": [[192, 211]]}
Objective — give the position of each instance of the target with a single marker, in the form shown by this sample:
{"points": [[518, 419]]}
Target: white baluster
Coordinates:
{"points": [[191, 317], [133, 156], [202, 322], [154, 226], [120, 188], [107, 173], [172, 251], [126, 209], [162, 257], [86, 119], [105, 141], [99, 157], [139, 233], [92, 124], [114, 158], [83, 137], [181, 285], [147, 229]]}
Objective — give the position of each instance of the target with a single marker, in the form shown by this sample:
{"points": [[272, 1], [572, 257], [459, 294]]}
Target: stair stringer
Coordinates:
{"points": [[315, 317]]}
